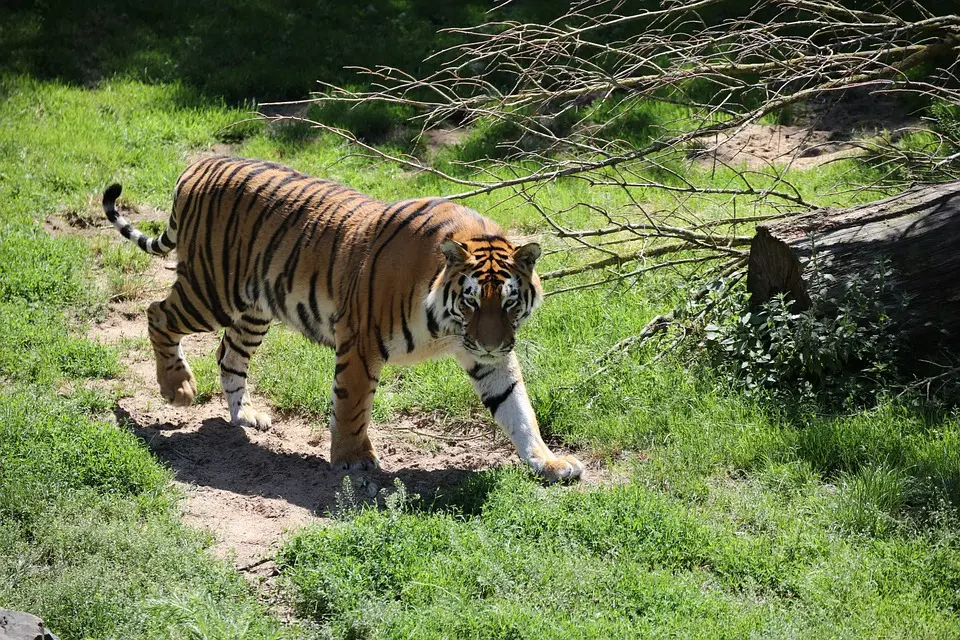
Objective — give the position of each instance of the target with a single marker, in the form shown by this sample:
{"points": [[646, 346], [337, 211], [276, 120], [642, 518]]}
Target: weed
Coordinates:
{"points": [[346, 503]]}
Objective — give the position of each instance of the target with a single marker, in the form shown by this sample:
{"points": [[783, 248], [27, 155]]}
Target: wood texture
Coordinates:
{"points": [[917, 231]]}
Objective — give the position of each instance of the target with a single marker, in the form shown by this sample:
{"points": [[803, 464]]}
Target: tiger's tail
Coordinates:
{"points": [[161, 246]]}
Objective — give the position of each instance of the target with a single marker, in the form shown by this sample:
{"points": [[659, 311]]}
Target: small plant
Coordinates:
{"points": [[869, 500], [346, 503], [946, 117], [843, 350], [400, 499]]}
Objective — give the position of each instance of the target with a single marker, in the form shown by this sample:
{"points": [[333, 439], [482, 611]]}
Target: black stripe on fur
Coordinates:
{"points": [[493, 402]]}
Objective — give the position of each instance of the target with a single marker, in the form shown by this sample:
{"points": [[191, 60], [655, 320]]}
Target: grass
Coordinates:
{"points": [[630, 561], [125, 267], [235, 50], [90, 531], [90, 537], [90, 534], [735, 518]]}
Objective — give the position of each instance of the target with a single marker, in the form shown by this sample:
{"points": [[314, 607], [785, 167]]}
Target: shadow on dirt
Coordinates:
{"points": [[222, 456]]}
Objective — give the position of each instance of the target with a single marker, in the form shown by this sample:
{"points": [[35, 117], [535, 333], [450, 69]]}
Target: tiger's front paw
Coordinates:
{"points": [[250, 417], [558, 469], [366, 461]]}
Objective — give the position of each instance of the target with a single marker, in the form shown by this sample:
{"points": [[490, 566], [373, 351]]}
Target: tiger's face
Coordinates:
{"points": [[489, 289]]}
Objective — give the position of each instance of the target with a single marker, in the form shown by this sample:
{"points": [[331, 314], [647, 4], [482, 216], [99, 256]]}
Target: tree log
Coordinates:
{"points": [[916, 232]]}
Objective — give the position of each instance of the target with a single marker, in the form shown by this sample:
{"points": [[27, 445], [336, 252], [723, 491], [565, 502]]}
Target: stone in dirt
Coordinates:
{"points": [[17, 625]]}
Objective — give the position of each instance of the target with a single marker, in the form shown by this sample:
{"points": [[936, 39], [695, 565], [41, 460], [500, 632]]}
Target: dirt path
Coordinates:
{"points": [[824, 131], [250, 488]]}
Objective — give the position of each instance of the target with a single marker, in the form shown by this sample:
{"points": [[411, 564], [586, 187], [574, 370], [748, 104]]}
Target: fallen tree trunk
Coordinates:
{"points": [[916, 232]]}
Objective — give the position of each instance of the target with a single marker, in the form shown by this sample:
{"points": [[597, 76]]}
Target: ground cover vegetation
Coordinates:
{"points": [[739, 506]]}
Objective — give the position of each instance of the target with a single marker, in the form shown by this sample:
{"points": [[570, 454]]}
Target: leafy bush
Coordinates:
{"points": [[946, 118], [843, 350]]}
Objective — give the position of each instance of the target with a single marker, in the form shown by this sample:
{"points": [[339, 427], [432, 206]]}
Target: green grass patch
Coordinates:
{"points": [[370, 121], [38, 267], [90, 537], [622, 562], [38, 348], [237, 50], [207, 372]]}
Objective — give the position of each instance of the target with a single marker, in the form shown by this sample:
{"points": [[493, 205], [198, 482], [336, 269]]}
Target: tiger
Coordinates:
{"points": [[378, 282]]}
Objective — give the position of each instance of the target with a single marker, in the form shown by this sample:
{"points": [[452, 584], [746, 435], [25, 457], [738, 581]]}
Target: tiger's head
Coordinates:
{"points": [[486, 290]]}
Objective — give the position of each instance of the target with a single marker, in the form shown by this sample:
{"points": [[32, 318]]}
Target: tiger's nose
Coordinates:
{"points": [[503, 346]]}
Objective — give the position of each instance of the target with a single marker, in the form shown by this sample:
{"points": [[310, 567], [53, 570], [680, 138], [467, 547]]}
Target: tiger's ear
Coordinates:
{"points": [[527, 255], [456, 252]]}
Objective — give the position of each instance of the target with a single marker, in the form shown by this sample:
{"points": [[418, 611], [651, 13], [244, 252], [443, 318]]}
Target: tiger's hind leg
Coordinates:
{"points": [[239, 344], [168, 324]]}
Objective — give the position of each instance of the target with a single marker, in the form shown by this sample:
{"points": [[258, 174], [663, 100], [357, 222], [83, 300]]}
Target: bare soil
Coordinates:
{"points": [[437, 139], [822, 131], [90, 222], [760, 145], [249, 488]]}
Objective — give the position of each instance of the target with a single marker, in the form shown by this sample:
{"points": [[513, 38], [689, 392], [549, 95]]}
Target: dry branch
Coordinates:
{"points": [[561, 89]]}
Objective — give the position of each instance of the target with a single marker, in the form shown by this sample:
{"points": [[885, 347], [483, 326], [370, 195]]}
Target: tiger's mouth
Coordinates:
{"points": [[489, 358], [483, 356]]}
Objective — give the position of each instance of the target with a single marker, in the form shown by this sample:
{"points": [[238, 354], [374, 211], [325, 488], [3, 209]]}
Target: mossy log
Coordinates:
{"points": [[917, 233]]}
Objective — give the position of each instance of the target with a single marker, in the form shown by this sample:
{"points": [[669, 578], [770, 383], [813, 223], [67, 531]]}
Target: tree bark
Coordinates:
{"points": [[917, 232]]}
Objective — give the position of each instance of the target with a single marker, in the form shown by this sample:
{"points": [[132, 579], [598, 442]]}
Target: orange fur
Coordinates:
{"points": [[378, 282]]}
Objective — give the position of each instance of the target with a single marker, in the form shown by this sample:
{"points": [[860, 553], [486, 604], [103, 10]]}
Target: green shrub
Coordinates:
{"points": [[489, 140], [844, 349], [946, 118]]}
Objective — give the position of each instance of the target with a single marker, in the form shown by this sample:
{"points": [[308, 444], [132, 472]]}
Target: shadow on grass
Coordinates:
{"points": [[919, 441], [236, 49], [466, 498]]}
